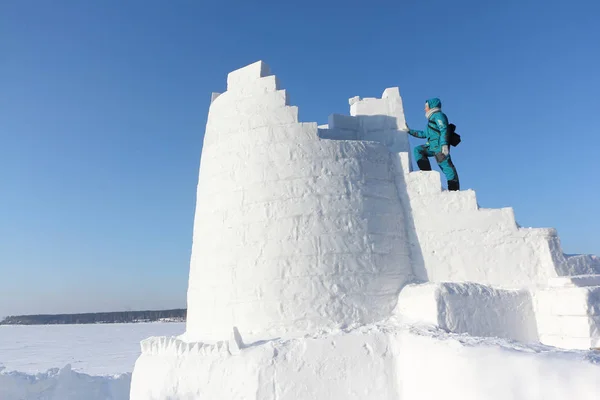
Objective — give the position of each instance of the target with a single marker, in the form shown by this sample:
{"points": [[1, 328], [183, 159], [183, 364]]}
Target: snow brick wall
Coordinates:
{"points": [[324, 267]]}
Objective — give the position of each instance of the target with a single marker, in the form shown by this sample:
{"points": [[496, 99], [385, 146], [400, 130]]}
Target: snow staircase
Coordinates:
{"points": [[453, 238], [461, 241]]}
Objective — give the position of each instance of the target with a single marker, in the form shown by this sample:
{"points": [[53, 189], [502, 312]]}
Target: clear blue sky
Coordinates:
{"points": [[103, 106]]}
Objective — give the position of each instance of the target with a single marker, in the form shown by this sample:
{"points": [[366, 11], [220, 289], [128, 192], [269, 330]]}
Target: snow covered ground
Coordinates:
{"points": [[96, 349], [73, 361]]}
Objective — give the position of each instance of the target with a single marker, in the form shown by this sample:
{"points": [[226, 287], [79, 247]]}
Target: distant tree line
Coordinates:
{"points": [[177, 315]]}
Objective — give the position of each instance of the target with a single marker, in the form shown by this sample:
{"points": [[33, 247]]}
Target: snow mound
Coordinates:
{"points": [[63, 384]]}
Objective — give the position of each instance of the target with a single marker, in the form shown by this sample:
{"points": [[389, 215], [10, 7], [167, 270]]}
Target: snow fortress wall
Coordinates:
{"points": [[306, 238], [372, 362], [292, 233]]}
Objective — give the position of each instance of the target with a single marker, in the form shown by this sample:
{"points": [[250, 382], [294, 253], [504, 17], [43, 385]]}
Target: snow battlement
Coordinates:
{"points": [[371, 119], [175, 347], [247, 75]]}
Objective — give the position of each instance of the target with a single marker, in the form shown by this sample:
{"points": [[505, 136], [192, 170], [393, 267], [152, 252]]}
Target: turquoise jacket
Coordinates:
{"points": [[436, 131]]}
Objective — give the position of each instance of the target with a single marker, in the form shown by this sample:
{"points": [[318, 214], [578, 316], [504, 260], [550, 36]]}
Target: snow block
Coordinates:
{"points": [[338, 121], [482, 220], [568, 301], [233, 106], [569, 326], [450, 203], [423, 183], [381, 120], [268, 84], [470, 308], [377, 128], [390, 104], [570, 342], [505, 258], [575, 281], [568, 316], [338, 134], [245, 122], [374, 123], [249, 73], [582, 264]]}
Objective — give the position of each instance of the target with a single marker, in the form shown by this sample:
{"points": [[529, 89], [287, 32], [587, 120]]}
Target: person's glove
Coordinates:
{"points": [[445, 150]]}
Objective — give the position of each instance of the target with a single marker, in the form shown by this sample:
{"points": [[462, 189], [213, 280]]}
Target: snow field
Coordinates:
{"points": [[95, 349], [63, 384], [95, 361]]}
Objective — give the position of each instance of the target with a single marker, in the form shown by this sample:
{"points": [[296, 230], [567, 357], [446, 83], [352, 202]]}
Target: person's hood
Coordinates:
{"points": [[434, 103]]}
